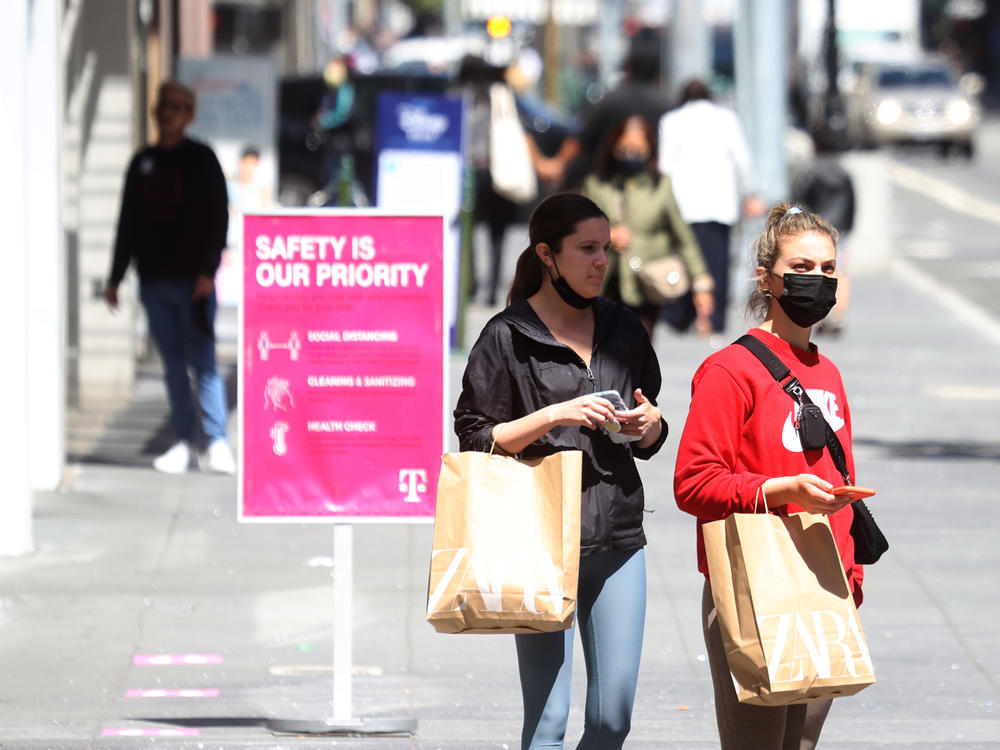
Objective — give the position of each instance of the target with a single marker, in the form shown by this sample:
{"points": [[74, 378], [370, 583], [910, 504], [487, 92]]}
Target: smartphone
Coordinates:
{"points": [[615, 398], [614, 428], [202, 323], [855, 493]]}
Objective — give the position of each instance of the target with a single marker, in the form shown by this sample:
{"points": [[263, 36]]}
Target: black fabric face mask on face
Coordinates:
{"points": [[567, 294], [807, 297], [629, 167]]}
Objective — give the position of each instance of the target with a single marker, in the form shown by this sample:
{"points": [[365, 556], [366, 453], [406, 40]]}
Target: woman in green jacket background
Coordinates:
{"points": [[645, 221]]}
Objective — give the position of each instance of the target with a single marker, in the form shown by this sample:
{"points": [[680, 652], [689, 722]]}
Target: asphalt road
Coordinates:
{"points": [[947, 215]]}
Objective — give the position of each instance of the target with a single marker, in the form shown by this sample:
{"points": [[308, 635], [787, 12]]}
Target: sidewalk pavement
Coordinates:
{"points": [[130, 563]]}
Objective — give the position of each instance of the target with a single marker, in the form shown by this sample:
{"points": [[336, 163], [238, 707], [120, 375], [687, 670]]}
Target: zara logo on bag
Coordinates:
{"points": [[478, 575], [835, 648]]}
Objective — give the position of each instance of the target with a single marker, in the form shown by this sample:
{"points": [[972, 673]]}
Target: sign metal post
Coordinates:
{"points": [[343, 354]]}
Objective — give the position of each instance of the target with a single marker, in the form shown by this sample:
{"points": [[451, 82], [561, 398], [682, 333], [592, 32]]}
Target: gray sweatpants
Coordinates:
{"points": [[746, 727]]}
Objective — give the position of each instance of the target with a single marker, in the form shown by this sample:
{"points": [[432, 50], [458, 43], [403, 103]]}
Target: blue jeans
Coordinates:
{"points": [[169, 309], [611, 612]]}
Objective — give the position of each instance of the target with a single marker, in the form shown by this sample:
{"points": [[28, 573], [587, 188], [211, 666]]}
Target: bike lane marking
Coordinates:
{"points": [[173, 693], [127, 732], [950, 196], [159, 660]]}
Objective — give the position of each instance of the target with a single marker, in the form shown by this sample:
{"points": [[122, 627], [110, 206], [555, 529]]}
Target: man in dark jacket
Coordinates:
{"points": [[173, 222], [638, 93]]}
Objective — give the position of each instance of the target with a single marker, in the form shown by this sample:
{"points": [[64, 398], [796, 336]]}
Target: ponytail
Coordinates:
{"points": [[527, 275]]}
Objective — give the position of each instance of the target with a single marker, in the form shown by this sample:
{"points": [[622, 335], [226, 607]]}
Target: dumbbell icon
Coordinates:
{"points": [[265, 345]]}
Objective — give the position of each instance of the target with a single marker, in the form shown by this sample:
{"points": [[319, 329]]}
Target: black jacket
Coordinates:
{"points": [[517, 367], [174, 214]]}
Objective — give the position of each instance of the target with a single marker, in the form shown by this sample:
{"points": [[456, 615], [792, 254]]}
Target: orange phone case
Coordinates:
{"points": [[855, 493]]}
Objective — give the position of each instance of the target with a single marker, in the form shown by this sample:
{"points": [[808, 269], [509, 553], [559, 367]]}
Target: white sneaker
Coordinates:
{"points": [[219, 458], [174, 461]]}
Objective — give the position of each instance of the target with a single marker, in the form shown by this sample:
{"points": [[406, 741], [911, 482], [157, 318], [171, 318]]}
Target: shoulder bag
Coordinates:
{"points": [[661, 280], [869, 541], [511, 170]]}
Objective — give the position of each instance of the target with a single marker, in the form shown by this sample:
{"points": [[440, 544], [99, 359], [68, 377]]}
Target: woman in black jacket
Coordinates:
{"points": [[530, 385]]}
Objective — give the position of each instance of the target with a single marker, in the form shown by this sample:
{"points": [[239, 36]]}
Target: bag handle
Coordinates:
{"points": [[760, 491], [502, 103], [499, 428]]}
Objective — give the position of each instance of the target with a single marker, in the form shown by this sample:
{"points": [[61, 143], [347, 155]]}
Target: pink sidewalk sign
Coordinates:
{"points": [[342, 367]]}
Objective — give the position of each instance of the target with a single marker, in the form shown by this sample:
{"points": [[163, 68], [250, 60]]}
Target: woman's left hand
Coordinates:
{"points": [[203, 286], [643, 420]]}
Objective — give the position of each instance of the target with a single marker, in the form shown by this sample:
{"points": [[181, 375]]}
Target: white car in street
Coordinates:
{"points": [[914, 102]]}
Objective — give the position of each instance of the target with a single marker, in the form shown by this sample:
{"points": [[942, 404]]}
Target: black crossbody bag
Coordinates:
{"points": [[815, 433]]}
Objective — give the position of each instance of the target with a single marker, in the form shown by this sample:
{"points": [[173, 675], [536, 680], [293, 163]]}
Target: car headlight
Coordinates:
{"points": [[959, 111], [888, 111]]}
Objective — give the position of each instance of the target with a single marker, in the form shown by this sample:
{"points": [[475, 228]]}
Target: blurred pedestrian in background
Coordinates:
{"points": [[579, 82], [335, 120], [739, 449], [638, 93], [496, 140], [645, 222], [246, 193], [173, 222], [529, 388], [704, 152], [827, 189]]}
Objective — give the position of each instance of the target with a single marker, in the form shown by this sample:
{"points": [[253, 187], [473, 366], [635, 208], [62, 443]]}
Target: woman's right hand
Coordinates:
{"points": [[585, 411], [808, 491]]}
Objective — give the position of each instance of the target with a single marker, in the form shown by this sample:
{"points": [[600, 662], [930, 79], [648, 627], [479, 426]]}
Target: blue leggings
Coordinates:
{"points": [[610, 614]]}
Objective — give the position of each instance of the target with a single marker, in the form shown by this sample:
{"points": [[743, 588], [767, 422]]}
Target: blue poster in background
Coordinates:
{"points": [[419, 122], [419, 167]]}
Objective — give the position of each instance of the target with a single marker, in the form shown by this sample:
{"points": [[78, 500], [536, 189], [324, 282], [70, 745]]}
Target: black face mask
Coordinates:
{"points": [[808, 297], [567, 294], [631, 166]]}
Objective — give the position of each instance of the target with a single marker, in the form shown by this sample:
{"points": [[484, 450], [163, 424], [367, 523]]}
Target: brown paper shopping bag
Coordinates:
{"points": [[787, 616], [506, 549]]}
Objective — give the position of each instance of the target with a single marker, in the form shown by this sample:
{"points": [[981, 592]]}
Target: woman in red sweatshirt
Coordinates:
{"points": [[740, 438]]}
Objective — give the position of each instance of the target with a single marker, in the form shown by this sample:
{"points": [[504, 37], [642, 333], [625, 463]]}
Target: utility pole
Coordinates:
{"points": [[16, 508], [453, 24], [45, 267], [762, 86], [611, 43], [689, 52], [551, 56], [834, 127]]}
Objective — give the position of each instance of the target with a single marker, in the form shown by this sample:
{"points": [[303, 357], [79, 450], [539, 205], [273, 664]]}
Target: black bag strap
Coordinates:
{"points": [[791, 385], [785, 378]]}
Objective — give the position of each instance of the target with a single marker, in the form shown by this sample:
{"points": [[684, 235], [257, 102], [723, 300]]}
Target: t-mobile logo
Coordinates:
{"points": [[411, 482]]}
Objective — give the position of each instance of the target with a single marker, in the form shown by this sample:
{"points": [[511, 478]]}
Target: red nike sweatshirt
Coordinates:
{"points": [[739, 433]]}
